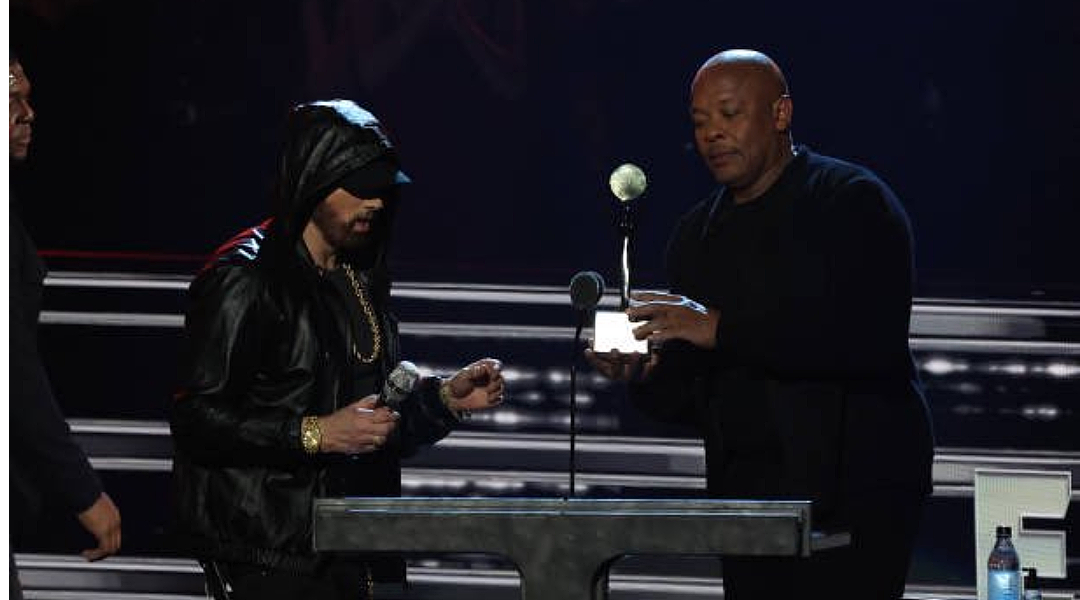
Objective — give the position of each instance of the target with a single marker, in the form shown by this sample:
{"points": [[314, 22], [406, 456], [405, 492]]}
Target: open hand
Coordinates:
{"points": [[102, 520], [632, 366], [673, 317]]}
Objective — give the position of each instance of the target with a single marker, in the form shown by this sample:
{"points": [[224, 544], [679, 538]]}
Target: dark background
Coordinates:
{"points": [[159, 121]]}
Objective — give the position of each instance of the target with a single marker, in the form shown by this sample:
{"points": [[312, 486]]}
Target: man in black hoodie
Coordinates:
{"points": [[289, 337]]}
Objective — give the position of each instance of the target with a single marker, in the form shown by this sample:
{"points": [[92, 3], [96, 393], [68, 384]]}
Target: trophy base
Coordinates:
{"points": [[612, 330]]}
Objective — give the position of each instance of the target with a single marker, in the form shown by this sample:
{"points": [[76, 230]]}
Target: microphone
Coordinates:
{"points": [[399, 384], [627, 182], [586, 288]]}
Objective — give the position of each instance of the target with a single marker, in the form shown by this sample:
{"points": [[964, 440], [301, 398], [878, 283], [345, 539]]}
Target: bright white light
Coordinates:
{"points": [[452, 483], [507, 417], [598, 381], [1041, 412], [530, 397], [556, 377], [968, 388], [583, 399], [944, 366], [518, 375], [500, 485], [968, 410], [1063, 369], [1012, 368]]}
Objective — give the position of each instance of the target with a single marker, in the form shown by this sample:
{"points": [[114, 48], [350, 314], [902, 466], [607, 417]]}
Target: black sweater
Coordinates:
{"points": [[45, 461], [811, 390]]}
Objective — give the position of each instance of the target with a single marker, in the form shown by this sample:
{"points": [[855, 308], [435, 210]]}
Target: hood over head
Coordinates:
{"points": [[329, 144]]}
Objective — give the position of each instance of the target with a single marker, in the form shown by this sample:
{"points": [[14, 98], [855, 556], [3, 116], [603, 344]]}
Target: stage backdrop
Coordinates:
{"points": [[159, 121]]}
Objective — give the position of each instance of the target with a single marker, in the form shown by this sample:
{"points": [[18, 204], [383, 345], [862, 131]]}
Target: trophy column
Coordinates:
{"points": [[627, 183]]}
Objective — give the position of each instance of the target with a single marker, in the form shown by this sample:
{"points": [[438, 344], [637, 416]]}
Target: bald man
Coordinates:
{"points": [[785, 339]]}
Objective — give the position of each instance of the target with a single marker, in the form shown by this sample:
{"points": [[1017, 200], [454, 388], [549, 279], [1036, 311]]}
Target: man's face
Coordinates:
{"points": [[347, 222], [737, 124], [20, 114]]}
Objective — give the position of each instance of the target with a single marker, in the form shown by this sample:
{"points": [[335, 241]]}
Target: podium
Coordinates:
{"points": [[563, 547]]}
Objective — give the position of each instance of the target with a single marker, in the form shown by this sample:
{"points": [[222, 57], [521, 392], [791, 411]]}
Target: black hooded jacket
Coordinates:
{"points": [[264, 348]]}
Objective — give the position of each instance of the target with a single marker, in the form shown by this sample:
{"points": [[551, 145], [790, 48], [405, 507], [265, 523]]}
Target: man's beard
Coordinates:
{"points": [[357, 244], [361, 247]]}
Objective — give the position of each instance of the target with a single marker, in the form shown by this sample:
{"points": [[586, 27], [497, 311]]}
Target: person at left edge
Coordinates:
{"points": [[45, 461], [289, 336]]}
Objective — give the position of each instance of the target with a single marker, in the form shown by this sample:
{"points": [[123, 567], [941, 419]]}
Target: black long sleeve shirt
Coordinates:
{"points": [[45, 461], [811, 386]]}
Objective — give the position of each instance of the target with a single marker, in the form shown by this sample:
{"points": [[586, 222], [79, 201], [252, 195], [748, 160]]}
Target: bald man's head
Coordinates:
{"points": [[753, 62], [742, 114]]}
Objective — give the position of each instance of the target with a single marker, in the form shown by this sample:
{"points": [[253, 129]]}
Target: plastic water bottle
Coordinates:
{"points": [[1003, 569]]}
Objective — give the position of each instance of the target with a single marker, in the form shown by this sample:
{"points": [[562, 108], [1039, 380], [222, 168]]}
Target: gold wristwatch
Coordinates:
{"points": [[310, 434]]}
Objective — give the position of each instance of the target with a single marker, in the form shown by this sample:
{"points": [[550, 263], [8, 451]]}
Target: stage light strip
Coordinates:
{"points": [[111, 319], [486, 331], [539, 332], [996, 346], [50, 594], [131, 281], [130, 564], [681, 448], [995, 311], [458, 478], [119, 427], [131, 465], [521, 294], [455, 330], [451, 477], [966, 491]]}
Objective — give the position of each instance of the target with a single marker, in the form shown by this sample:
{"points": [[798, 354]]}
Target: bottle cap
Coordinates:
{"points": [[1004, 530], [1031, 578]]}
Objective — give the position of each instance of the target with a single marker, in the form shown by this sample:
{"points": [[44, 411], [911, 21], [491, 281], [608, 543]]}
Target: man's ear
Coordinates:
{"points": [[782, 109]]}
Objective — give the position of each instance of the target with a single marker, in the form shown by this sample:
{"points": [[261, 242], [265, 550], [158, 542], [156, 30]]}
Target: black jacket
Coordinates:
{"points": [[264, 347], [811, 391], [45, 461]]}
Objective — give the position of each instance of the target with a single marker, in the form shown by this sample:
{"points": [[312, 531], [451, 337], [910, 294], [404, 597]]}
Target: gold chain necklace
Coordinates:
{"points": [[369, 312]]}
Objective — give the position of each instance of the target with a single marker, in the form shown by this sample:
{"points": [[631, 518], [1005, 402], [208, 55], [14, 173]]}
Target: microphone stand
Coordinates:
{"points": [[573, 400]]}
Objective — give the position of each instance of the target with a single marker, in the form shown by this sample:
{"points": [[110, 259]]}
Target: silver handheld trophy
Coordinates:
{"points": [[612, 329], [627, 183]]}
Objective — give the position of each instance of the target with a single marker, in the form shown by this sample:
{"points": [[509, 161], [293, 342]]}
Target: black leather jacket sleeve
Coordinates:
{"points": [[211, 421], [424, 418]]}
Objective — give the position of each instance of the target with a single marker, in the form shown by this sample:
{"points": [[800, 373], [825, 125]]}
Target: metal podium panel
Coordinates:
{"points": [[562, 547]]}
